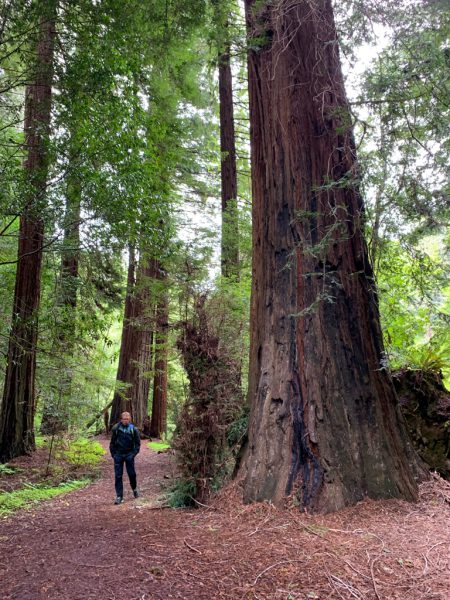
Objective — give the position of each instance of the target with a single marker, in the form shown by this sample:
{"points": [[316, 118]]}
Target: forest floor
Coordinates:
{"points": [[80, 546]]}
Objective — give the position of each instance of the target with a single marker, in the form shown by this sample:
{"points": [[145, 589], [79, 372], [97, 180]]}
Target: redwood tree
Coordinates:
{"points": [[135, 349], [324, 419], [159, 405], [55, 416], [18, 405], [228, 172]]}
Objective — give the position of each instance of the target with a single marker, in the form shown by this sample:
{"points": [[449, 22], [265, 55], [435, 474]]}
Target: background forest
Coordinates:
{"points": [[125, 210]]}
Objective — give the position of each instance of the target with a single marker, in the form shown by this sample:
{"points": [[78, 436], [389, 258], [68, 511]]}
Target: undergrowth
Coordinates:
{"points": [[158, 446], [31, 495], [81, 452], [182, 494], [6, 469]]}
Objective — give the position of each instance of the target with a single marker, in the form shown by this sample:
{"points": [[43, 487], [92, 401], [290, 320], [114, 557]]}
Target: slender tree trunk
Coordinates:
{"points": [[146, 325], [230, 223], [374, 241], [18, 405], [55, 417], [70, 255], [159, 405], [135, 349], [324, 418]]}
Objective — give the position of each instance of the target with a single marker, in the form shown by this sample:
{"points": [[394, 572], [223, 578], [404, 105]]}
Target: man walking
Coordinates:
{"points": [[125, 444]]}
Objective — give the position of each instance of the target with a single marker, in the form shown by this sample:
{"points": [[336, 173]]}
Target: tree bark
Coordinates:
{"points": [[135, 349], [324, 419], [228, 172], [126, 342], [55, 416], [18, 405], [158, 425]]}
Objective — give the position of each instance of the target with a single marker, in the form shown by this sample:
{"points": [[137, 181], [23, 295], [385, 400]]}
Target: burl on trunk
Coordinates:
{"points": [[324, 419]]}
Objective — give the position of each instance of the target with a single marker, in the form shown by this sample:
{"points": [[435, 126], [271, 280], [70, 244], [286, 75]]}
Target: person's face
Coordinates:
{"points": [[126, 419]]}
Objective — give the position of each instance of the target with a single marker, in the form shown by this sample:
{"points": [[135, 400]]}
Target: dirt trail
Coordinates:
{"points": [[81, 546]]}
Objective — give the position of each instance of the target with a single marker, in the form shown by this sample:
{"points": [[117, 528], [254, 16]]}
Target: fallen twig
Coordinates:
{"points": [[204, 505], [434, 546], [281, 562], [373, 577], [259, 526], [347, 586], [192, 547]]}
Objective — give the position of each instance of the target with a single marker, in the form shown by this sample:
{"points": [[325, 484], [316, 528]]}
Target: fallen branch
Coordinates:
{"points": [[99, 414]]}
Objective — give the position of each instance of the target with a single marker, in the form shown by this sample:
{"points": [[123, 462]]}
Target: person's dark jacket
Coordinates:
{"points": [[124, 440]]}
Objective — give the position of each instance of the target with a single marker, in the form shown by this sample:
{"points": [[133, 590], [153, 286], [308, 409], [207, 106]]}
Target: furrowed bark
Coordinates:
{"points": [[228, 172], [18, 405], [135, 349], [324, 418], [158, 425]]}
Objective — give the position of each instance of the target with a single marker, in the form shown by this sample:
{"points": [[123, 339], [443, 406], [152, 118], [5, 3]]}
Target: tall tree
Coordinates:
{"points": [[324, 417], [135, 348], [159, 404], [228, 172], [18, 406], [228, 169], [55, 415]]}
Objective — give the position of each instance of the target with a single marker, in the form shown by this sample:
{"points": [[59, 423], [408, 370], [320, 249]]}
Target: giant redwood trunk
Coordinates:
{"points": [[324, 420], [159, 405], [230, 225], [18, 405], [134, 366]]}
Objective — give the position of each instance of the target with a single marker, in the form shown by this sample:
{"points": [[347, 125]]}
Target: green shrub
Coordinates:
{"points": [[158, 446], [8, 469], [182, 494], [40, 441], [237, 430], [83, 452], [33, 494]]}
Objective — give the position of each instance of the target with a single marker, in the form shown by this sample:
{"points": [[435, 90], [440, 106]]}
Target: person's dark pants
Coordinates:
{"points": [[118, 472]]}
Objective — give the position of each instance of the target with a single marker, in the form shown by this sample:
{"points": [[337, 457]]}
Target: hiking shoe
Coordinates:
{"points": [[136, 493], [118, 500]]}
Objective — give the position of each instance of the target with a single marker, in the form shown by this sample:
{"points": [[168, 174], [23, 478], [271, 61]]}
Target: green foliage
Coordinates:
{"points": [[158, 446], [400, 106], [6, 469], [182, 494], [82, 452], [414, 306], [404, 112], [434, 356], [40, 441], [31, 495], [237, 430]]}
